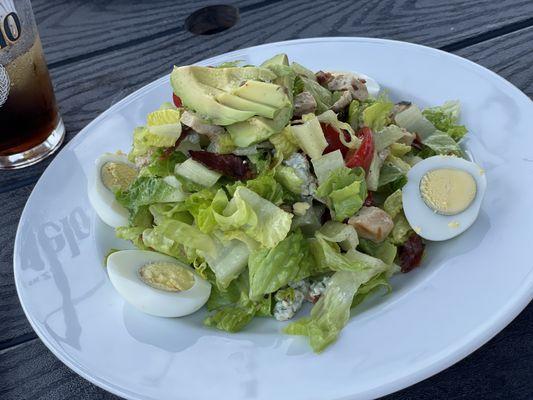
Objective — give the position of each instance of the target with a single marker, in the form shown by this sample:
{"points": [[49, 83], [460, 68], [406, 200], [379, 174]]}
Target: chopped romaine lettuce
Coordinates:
{"points": [[445, 119], [442, 143], [310, 137], [376, 115], [345, 191]]}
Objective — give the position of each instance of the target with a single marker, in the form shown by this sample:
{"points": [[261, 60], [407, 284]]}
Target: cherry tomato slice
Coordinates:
{"points": [[333, 139], [362, 157], [176, 100]]}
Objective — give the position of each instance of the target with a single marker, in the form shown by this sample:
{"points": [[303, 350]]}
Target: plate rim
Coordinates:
{"points": [[460, 350]]}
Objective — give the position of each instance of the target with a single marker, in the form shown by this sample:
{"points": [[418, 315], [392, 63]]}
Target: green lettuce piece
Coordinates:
{"points": [[310, 222], [162, 211], [221, 144], [355, 114], [162, 165], [284, 143], [231, 319], [385, 250], [310, 137], [445, 119], [163, 130], [326, 163], [154, 239], [332, 311], [187, 235], [387, 136], [271, 269], [233, 308], [376, 116], [399, 149], [268, 187], [133, 234], [401, 231], [414, 121], [379, 281], [343, 234], [391, 173], [345, 191], [257, 217], [148, 190], [442, 143], [230, 259], [393, 204], [290, 180]]}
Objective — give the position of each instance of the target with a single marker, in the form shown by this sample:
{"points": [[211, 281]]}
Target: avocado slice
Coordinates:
{"points": [[278, 59], [257, 129], [239, 103], [263, 93], [200, 87]]}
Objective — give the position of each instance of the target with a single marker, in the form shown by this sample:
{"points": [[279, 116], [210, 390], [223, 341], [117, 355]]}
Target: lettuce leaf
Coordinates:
{"points": [[393, 203], [332, 311], [147, 190], [445, 119], [376, 116], [345, 191], [233, 308], [271, 269], [442, 143], [385, 250], [387, 136], [414, 121], [310, 137]]}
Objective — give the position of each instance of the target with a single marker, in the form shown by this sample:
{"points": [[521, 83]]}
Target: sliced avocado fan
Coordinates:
{"points": [[226, 96]]}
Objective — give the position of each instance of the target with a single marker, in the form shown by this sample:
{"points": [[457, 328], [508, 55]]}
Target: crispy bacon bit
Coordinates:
{"points": [[410, 253], [323, 77], [229, 165]]}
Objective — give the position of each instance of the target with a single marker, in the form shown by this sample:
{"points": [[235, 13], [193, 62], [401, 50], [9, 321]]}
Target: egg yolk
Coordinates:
{"points": [[167, 276], [117, 176], [448, 191]]}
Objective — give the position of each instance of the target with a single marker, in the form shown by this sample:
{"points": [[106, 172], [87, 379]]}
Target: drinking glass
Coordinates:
{"points": [[30, 125]]}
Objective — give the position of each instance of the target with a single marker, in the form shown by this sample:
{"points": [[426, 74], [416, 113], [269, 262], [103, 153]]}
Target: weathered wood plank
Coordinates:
{"points": [[71, 29]]}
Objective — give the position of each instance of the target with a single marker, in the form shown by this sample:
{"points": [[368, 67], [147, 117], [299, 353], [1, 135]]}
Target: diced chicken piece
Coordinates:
{"points": [[344, 101], [356, 86], [359, 91], [304, 103], [341, 82], [323, 77], [372, 223], [199, 126]]}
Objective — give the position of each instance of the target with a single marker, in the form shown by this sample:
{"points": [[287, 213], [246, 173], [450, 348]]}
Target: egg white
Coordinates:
{"points": [[102, 199], [123, 270], [426, 222], [371, 84]]}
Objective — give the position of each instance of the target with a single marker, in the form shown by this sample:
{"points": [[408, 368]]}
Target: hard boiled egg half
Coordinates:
{"points": [[157, 284], [443, 196], [113, 172]]}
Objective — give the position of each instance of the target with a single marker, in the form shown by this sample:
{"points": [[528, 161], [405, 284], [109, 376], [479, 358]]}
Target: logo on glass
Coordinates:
{"points": [[11, 29]]}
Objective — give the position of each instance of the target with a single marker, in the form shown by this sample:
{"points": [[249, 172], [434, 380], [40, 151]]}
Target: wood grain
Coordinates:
{"points": [[70, 29]]}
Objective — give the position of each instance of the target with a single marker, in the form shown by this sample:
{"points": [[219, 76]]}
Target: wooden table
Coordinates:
{"points": [[100, 51]]}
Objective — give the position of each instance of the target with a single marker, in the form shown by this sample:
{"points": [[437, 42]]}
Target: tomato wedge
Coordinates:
{"points": [[362, 157], [176, 100], [333, 139]]}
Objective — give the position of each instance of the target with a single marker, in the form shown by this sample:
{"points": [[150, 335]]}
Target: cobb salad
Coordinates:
{"points": [[261, 188]]}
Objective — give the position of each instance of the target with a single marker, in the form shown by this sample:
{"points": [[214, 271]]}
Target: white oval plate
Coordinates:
{"points": [[468, 289]]}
